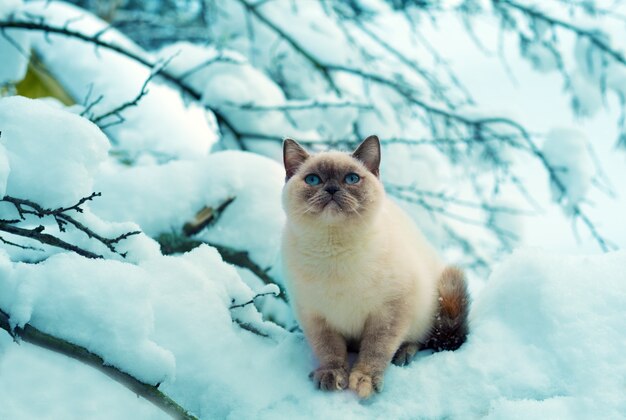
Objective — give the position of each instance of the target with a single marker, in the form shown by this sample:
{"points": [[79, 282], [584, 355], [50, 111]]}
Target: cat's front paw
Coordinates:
{"points": [[364, 385], [330, 378]]}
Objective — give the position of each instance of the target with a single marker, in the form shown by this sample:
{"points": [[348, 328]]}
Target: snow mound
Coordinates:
{"points": [[161, 199], [546, 341], [157, 320], [52, 164], [52, 161], [101, 305], [87, 394]]}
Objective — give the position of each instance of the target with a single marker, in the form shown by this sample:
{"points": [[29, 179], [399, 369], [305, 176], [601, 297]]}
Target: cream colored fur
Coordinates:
{"points": [[344, 273]]}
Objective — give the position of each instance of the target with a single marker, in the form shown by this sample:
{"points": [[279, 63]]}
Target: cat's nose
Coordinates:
{"points": [[331, 189]]}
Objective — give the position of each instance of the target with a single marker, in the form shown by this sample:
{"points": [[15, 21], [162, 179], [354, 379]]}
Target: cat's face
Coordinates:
{"points": [[332, 187]]}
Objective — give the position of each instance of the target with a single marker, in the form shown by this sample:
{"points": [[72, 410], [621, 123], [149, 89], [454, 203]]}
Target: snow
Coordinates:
{"points": [[5, 169], [78, 300], [545, 341], [567, 151], [227, 81], [162, 125], [34, 380], [547, 334], [14, 61], [50, 178], [161, 199], [541, 57]]}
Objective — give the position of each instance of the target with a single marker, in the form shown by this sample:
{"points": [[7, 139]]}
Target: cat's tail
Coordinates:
{"points": [[450, 326]]}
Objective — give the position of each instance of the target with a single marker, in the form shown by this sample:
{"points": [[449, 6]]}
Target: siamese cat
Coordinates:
{"points": [[359, 272]]}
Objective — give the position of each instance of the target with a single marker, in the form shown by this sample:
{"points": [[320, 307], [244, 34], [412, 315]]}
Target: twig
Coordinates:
{"points": [[251, 301], [26, 247], [591, 35], [323, 69], [27, 207], [158, 68], [44, 238]]}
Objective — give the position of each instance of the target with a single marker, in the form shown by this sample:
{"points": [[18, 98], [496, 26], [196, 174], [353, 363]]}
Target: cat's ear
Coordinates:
{"points": [[293, 156], [368, 152]]}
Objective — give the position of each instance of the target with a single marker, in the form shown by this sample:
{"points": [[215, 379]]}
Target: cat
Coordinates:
{"points": [[360, 272]]}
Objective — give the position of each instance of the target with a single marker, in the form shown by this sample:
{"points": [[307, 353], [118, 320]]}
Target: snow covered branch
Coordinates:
{"points": [[594, 36], [60, 215], [151, 393], [173, 243], [117, 112]]}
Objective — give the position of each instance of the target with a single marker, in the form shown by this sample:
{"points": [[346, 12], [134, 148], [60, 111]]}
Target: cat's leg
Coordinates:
{"points": [[405, 354], [331, 350], [382, 335]]}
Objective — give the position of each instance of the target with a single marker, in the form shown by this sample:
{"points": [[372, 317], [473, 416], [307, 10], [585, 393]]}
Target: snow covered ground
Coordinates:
{"points": [[547, 326], [547, 342]]}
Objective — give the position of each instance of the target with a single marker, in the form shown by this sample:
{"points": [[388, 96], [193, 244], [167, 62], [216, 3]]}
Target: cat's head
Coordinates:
{"points": [[332, 187]]}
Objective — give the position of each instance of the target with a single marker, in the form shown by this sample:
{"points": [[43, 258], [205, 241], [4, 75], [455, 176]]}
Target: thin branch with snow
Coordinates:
{"points": [[62, 218], [149, 392]]}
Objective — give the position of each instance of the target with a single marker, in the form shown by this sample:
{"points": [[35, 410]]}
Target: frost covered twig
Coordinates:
{"points": [[150, 392], [248, 326], [63, 219], [42, 26], [47, 239], [442, 205], [251, 301]]}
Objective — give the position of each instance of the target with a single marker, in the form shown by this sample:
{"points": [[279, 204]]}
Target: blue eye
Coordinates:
{"points": [[352, 178], [312, 179]]}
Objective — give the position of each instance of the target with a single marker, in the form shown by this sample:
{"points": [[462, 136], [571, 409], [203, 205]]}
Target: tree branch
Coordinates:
{"points": [[323, 69], [27, 207], [149, 392], [592, 35]]}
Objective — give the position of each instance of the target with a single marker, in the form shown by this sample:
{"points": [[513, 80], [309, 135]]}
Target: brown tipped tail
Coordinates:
{"points": [[450, 326]]}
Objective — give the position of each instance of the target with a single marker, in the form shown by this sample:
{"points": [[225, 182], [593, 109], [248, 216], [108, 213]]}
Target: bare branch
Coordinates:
{"points": [[62, 218], [117, 112], [251, 301], [323, 69], [594, 36], [44, 238]]}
